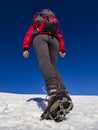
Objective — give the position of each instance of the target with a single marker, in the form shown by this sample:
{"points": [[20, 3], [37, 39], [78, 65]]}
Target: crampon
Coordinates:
{"points": [[57, 110]]}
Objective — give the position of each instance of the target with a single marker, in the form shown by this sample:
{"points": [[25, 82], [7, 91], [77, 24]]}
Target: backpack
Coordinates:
{"points": [[46, 21]]}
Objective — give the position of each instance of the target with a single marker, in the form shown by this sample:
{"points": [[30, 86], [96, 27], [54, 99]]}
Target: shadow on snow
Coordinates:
{"points": [[42, 103]]}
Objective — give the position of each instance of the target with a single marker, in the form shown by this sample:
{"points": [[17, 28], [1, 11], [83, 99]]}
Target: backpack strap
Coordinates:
{"points": [[54, 19], [43, 23]]}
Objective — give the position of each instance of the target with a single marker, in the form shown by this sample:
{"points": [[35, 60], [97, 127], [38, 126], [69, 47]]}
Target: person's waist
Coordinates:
{"points": [[49, 33]]}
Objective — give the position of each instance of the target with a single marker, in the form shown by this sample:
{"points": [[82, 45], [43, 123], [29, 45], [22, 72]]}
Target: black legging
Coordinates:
{"points": [[47, 49]]}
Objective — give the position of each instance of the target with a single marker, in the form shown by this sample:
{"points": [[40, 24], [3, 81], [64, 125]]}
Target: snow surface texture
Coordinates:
{"points": [[22, 112]]}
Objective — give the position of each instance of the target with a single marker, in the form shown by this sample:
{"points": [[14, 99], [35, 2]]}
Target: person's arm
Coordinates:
{"points": [[28, 38], [27, 41], [62, 49]]}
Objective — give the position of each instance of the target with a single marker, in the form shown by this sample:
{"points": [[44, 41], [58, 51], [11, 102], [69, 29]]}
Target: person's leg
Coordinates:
{"points": [[40, 44], [53, 52]]}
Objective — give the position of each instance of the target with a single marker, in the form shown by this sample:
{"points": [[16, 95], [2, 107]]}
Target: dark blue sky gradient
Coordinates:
{"points": [[79, 69]]}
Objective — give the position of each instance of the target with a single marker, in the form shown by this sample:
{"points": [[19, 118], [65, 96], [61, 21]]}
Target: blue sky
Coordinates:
{"points": [[79, 69]]}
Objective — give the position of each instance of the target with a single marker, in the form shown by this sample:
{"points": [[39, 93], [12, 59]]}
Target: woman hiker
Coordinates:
{"points": [[47, 41]]}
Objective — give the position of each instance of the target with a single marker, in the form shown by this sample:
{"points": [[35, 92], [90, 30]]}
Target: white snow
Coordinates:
{"points": [[22, 112]]}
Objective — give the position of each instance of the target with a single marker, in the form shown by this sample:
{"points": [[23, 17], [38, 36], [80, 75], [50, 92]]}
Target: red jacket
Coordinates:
{"points": [[28, 39]]}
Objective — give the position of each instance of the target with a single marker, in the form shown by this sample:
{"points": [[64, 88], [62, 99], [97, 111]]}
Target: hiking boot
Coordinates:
{"points": [[59, 105]]}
